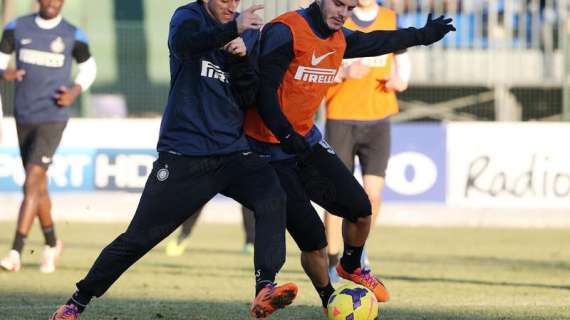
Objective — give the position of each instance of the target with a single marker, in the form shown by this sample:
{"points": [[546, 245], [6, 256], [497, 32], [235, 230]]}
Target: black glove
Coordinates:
{"points": [[294, 143], [435, 30]]}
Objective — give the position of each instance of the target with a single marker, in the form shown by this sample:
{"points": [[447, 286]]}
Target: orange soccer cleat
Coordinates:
{"points": [[365, 278], [66, 312], [272, 298]]}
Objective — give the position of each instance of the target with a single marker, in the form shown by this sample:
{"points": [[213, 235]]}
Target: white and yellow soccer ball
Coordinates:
{"points": [[352, 302]]}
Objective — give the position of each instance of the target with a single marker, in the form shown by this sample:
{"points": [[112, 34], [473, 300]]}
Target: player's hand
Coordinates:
{"points": [[435, 30], [294, 143], [355, 70], [396, 84], [65, 96], [249, 20], [14, 74], [236, 47]]}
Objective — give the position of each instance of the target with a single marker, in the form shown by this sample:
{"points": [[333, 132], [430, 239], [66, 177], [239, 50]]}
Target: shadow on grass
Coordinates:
{"points": [[505, 262], [477, 282], [31, 306]]}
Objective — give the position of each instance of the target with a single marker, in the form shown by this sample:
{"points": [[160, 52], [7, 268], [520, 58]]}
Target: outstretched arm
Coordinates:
{"points": [[361, 44]]}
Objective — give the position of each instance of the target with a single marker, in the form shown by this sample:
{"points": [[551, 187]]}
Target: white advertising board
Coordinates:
{"points": [[524, 165]]}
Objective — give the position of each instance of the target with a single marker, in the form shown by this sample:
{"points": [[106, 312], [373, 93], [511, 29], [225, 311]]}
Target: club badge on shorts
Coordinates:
{"points": [[163, 173]]}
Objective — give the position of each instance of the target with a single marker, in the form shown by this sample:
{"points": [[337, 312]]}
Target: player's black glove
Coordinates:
{"points": [[294, 143], [435, 30]]}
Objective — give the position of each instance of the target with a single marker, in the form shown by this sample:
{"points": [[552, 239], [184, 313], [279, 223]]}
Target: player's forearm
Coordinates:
{"points": [[273, 65], [375, 43], [187, 40], [244, 81], [270, 111]]}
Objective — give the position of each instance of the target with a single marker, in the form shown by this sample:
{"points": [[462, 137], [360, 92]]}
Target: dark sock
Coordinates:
{"points": [[260, 285], [333, 260], [350, 260], [49, 236], [79, 300], [19, 241], [325, 293]]}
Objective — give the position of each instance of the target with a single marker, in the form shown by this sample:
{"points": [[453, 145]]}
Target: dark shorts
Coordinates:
{"points": [[370, 142], [39, 141], [322, 178]]}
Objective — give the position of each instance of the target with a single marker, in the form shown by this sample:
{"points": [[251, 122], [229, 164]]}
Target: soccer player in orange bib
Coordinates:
{"points": [[358, 111], [301, 52]]}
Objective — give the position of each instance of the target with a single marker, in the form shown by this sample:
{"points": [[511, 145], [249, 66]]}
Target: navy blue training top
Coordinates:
{"points": [[45, 55], [202, 116]]}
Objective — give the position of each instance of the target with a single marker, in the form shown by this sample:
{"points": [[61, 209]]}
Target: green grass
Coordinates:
{"points": [[433, 274]]}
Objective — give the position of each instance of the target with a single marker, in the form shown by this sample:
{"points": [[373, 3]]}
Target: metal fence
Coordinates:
{"points": [[505, 62]]}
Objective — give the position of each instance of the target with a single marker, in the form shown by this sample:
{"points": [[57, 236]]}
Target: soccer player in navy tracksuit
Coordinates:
{"points": [[44, 44], [202, 152]]}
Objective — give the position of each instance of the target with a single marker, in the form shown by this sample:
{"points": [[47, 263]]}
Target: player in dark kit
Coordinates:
{"points": [[45, 45], [301, 52], [202, 152]]}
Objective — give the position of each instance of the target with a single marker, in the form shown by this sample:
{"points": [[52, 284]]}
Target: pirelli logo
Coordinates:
{"points": [[210, 70], [41, 58], [315, 75]]}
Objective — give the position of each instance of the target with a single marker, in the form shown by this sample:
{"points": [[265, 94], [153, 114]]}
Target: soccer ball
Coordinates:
{"points": [[352, 302]]}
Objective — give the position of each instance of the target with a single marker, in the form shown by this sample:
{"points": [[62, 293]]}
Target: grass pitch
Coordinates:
{"points": [[432, 274]]}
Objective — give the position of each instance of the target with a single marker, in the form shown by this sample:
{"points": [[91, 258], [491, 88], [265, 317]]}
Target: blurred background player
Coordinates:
{"points": [[44, 44], [178, 245], [358, 111], [203, 151]]}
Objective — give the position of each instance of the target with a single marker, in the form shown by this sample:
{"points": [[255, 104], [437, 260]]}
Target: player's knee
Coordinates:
{"points": [[360, 208], [312, 240], [315, 254], [274, 203], [314, 244]]}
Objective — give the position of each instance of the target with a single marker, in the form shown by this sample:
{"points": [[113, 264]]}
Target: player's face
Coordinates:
{"points": [[50, 9], [335, 12], [223, 11]]}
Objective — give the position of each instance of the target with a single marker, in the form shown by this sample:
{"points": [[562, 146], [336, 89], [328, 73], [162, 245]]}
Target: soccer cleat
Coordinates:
{"points": [[272, 298], [11, 262], [66, 312], [365, 278], [175, 249], [50, 256]]}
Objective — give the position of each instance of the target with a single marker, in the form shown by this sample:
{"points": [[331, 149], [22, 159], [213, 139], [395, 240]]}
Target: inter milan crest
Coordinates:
{"points": [[57, 45], [163, 173]]}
